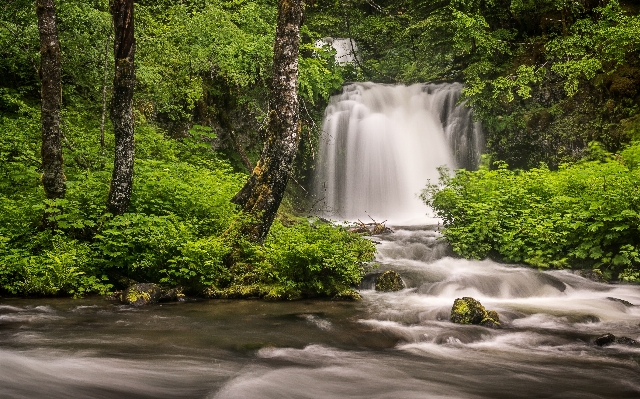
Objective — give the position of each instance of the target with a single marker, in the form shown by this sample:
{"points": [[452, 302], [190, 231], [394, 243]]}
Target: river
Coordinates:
{"points": [[389, 345]]}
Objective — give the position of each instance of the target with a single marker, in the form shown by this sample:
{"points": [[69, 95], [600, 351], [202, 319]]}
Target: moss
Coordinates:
{"points": [[493, 314], [265, 291], [389, 281], [468, 310], [147, 293], [347, 295], [136, 296]]}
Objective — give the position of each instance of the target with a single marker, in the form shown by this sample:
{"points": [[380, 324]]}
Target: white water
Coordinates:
{"points": [[381, 145], [346, 49]]}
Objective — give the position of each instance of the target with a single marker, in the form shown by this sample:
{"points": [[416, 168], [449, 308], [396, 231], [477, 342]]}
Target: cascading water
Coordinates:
{"points": [[381, 144]]}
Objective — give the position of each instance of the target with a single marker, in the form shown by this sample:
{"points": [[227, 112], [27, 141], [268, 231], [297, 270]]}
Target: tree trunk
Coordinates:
{"points": [[261, 195], [51, 94], [122, 107]]}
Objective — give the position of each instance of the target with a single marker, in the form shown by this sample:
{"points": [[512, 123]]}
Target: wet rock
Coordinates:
{"points": [[148, 293], [552, 281], [588, 318], [347, 295], [468, 310], [492, 314], [627, 341], [114, 296], [608, 339], [171, 295], [389, 281], [593, 275], [622, 301]]}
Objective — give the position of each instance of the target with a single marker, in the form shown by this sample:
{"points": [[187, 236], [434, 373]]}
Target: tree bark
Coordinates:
{"points": [[122, 107], [261, 195], [51, 94]]}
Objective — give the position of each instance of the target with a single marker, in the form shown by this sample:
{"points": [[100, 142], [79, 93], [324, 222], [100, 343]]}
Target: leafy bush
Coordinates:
{"points": [[316, 258], [66, 266], [303, 259], [582, 215]]}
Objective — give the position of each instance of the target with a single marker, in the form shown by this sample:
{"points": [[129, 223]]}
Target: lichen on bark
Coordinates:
{"points": [[51, 95], [122, 107], [261, 195]]}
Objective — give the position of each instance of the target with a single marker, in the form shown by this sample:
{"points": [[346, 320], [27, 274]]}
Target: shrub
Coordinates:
{"points": [[584, 214], [66, 266], [315, 258]]}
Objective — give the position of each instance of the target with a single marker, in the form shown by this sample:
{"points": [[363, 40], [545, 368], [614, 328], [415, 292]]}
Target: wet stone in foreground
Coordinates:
{"points": [[468, 310], [389, 281]]}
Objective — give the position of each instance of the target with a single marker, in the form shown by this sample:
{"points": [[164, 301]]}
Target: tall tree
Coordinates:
{"points": [[261, 195], [122, 107], [51, 94]]}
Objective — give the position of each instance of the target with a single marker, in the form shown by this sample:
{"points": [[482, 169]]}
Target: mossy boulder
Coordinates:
{"points": [[389, 281], [148, 293], [347, 295], [468, 310]]}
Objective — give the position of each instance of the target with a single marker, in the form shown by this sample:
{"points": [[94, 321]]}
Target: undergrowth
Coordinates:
{"points": [[584, 215]]}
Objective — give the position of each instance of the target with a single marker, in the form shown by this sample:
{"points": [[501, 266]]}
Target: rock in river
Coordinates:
{"points": [[389, 281], [608, 339], [148, 293], [468, 310]]}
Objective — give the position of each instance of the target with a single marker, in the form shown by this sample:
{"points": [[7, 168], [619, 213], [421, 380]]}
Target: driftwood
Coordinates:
{"points": [[371, 229]]}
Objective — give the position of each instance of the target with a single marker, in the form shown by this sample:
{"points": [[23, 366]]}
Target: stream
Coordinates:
{"points": [[389, 345]]}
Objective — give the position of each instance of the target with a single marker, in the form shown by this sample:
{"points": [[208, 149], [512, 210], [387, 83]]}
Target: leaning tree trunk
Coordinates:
{"points": [[122, 107], [261, 195], [51, 93]]}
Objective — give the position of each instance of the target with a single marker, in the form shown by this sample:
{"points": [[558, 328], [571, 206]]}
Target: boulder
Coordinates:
{"points": [[148, 293], [608, 339], [468, 310], [389, 281], [622, 301], [593, 275]]}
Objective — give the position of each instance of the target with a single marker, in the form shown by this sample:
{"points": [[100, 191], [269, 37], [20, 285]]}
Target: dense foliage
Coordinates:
{"points": [[584, 215], [178, 231], [202, 67], [545, 77]]}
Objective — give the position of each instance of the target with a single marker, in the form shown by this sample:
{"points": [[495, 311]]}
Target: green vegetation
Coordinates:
{"points": [[201, 93], [545, 77], [584, 215]]}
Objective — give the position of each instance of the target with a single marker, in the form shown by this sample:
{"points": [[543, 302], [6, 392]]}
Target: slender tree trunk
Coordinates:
{"points": [[122, 106], [104, 102], [261, 195], [51, 93]]}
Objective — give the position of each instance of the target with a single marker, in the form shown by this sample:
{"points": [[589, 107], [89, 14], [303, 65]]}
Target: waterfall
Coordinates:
{"points": [[381, 144], [346, 49]]}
